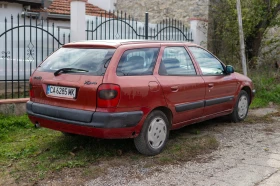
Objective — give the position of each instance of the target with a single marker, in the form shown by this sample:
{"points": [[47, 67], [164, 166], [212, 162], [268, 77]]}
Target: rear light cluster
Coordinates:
{"points": [[108, 95]]}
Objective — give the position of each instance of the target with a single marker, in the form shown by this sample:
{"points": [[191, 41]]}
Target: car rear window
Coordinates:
{"points": [[93, 60], [137, 62]]}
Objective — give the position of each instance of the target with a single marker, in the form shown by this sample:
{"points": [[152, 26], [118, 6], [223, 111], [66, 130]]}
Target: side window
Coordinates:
{"points": [[175, 62], [209, 65], [137, 62]]}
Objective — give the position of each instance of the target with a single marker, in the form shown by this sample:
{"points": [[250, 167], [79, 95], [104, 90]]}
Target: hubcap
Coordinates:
{"points": [[242, 106], [157, 133]]}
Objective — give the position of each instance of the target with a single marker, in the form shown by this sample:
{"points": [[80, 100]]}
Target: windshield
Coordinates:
{"points": [[94, 61]]}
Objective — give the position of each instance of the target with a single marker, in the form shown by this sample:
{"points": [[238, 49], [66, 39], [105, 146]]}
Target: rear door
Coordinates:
{"points": [[183, 89], [70, 77], [220, 87]]}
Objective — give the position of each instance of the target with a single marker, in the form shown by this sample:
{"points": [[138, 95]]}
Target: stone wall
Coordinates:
{"points": [[13, 106], [161, 9]]}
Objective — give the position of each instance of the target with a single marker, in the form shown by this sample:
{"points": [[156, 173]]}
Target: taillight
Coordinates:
{"points": [[31, 91], [108, 95]]}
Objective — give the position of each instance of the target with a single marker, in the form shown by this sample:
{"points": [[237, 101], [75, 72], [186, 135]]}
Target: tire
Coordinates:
{"points": [[241, 107], [154, 134]]}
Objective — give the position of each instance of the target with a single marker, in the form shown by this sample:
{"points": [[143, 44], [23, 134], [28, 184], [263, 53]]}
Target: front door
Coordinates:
{"points": [[220, 87]]}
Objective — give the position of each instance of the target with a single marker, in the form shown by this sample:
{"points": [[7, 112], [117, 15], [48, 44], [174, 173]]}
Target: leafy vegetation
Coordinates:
{"points": [[267, 85], [258, 17]]}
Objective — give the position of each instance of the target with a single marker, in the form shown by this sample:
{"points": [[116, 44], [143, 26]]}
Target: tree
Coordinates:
{"points": [[268, 13], [257, 16]]}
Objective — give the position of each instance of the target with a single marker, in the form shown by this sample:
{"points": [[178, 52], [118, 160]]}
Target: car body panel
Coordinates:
{"points": [[220, 93]]}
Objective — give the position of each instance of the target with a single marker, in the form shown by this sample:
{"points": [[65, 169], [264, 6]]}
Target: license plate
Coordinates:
{"points": [[58, 91]]}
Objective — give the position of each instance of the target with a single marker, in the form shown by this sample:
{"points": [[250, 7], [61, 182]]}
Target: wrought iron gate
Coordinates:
{"points": [[25, 42], [117, 25]]}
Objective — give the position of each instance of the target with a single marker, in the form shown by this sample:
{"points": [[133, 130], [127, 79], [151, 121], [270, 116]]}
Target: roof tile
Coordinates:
{"points": [[63, 7]]}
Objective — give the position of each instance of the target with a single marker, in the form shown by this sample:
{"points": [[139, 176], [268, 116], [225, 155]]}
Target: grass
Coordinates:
{"points": [[28, 155], [263, 119], [11, 123], [267, 85]]}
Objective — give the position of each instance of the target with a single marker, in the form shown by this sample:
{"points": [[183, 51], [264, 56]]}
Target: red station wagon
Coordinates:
{"points": [[134, 89]]}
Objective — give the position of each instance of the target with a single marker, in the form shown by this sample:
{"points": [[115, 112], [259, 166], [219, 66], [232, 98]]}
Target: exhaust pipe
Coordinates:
{"points": [[37, 125]]}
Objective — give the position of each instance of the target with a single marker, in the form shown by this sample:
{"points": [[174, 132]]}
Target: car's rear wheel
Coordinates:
{"points": [[241, 107], [154, 134]]}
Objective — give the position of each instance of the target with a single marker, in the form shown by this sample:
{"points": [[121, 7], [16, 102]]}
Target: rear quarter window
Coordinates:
{"points": [[137, 62]]}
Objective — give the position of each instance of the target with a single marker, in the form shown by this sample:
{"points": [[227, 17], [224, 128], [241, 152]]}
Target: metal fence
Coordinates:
{"points": [[28, 40], [119, 25], [25, 42]]}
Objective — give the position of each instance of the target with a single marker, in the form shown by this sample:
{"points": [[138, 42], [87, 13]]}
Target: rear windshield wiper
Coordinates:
{"points": [[69, 70]]}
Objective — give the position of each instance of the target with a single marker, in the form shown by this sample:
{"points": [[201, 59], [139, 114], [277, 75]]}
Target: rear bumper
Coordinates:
{"points": [[80, 121]]}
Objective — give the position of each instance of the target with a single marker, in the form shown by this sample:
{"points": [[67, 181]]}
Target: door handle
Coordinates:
{"points": [[210, 85], [174, 88]]}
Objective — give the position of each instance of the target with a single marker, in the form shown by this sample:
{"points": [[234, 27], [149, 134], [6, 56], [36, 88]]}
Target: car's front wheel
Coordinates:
{"points": [[154, 134], [241, 107]]}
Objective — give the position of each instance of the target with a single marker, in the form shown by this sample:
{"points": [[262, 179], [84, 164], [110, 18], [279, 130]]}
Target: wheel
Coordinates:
{"points": [[241, 107], [154, 134]]}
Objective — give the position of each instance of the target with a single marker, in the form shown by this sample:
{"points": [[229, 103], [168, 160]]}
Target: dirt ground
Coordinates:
{"points": [[248, 154]]}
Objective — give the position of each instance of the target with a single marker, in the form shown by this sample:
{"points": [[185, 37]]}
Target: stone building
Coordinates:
{"points": [[182, 10], [192, 13]]}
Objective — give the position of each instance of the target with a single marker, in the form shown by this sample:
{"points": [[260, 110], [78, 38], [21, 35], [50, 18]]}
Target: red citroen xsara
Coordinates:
{"points": [[134, 89]]}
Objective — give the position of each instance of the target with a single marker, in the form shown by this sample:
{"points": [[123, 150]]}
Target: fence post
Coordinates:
{"points": [[199, 29], [146, 25], [78, 20]]}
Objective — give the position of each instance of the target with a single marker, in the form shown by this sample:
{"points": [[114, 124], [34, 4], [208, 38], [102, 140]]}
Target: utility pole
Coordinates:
{"points": [[241, 38]]}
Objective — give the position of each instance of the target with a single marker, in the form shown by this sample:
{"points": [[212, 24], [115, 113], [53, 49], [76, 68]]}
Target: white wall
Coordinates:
{"points": [[199, 30], [104, 4], [12, 9]]}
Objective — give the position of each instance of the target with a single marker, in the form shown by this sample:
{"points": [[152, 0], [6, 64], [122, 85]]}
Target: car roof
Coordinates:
{"points": [[117, 43]]}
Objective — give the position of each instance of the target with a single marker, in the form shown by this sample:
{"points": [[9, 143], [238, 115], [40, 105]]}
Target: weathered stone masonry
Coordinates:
{"points": [[158, 10]]}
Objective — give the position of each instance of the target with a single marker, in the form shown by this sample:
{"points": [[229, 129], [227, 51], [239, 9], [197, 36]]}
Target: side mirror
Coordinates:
{"points": [[229, 69]]}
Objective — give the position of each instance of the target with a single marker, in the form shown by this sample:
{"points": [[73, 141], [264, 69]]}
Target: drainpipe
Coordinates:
{"points": [[78, 20]]}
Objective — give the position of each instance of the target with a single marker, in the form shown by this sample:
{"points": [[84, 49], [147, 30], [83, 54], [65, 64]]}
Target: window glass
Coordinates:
{"points": [[95, 61], [209, 65], [137, 62], [176, 61]]}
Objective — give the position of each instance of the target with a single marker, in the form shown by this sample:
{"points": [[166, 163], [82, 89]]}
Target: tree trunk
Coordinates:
{"points": [[253, 45]]}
